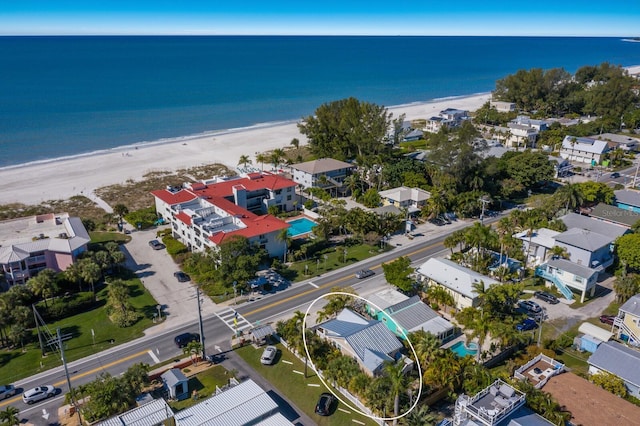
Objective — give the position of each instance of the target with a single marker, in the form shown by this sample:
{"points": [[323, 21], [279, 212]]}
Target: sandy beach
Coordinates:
{"points": [[64, 178]]}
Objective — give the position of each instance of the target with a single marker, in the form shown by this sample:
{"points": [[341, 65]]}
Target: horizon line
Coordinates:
{"points": [[306, 35]]}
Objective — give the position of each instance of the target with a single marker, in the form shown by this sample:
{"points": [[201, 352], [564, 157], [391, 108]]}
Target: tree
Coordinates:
{"points": [[44, 284], [261, 158], [398, 273], [435, 206], [371, 198], [277, 155], [121, 312], [394, 371], [626, 286], [628, 251], [90, 272], [427, 347], [336, 303], [529, 168], [284, 236], [295, 143], [570, 196], [237, 260], [9, 416], [120, 210], [419, 416], [244, 161], [193, 349], [346, 128]]}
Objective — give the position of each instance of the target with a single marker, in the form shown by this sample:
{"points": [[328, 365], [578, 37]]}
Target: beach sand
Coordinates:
{"points": [[64, 178]]}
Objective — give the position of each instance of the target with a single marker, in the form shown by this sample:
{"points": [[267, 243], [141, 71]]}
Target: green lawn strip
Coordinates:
{"points": [[105, 237], [295, 387], [15, 365], [205, 383]]}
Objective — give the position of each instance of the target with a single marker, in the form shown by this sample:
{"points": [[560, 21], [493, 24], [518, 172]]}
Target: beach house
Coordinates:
{"points": [[402, 315], [515, 135], [619, 360], [501, 106], [455, 279], [31, 244], [449, 118], [584, 150], [369, 342], [325, 173], [627, 323], [411, 199], [204, 214]]}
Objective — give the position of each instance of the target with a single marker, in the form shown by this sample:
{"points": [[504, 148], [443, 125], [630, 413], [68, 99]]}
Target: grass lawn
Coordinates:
{"points": [[295, 387], [98, 237], [18, 364], [205, 383]]}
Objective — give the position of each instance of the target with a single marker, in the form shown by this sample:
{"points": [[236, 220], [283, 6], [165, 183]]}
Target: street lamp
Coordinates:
{"points": [[159, 307]]}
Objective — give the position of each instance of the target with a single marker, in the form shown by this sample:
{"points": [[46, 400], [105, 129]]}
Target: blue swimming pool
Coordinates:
{"points": [[300, 226], [462, 350]]}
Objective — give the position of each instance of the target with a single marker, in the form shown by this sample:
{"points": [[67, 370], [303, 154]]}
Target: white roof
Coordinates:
{"points": [[595, 331], [237, 406], [453, 276], [385, 298], [590, 145], [149, 414], [541, 237], [403, 193]]}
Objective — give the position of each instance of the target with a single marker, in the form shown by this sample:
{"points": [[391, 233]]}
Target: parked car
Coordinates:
{"points": [[364, 273], [615, 175], [182, 277], [184, 339], [607, 319], [323, 407], [38, 394], [6, 391], [526, 325], [156, 245], [268, 355], [530, 306], [547, 297]]}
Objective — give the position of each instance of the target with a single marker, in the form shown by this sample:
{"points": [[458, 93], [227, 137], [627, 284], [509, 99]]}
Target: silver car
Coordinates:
{"points": [[6, 391], [269, 355], [38, 394]]}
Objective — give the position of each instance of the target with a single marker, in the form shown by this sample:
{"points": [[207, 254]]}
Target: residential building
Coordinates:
{"points": [[589, 404], [537, 245], [31, 244], [574, 220], [539, 370], [619, 360], [497, 405], [623, 142], [561, 166], [515, 135], [412, 199], [524, 120], [587, 248], [591, 337], [568, 276], [501, 106], [456, 279], [154, 412], [204, 214], [413, 135], [450, 118], [369, 342], [403, 315], [628, 199], [325, 173], [615, 215], [627, 323], [583, 150]]}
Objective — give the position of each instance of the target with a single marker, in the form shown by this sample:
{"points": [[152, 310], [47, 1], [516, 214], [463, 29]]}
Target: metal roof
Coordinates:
{"points": [[149, 414], [453, 276], [632, 306], [595, 331], [345, 324], [242, 404], [573, 268], [411, 313], [276, 420], [262, 331], [376, 338], [618, 360], [541, 237], [589, 145]]}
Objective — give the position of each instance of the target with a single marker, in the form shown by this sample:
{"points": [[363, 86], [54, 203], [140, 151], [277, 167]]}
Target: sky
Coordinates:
{"points": [[321, 17]]}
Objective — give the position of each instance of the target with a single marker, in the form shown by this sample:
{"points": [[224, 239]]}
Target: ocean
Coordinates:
{"points": [[66, 96]]}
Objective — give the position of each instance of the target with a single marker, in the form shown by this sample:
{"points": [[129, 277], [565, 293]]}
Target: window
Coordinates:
{"points": [[577, 279], [288, 197]]}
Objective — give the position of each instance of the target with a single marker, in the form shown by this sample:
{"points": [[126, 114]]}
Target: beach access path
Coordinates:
{"points": [[63, 178]]}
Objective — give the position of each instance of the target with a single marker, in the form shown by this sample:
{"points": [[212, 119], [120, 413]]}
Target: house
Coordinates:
{"points": [[500, 404], [538, 244], [574, 220], [501, 106], [583, 150], [586, 247], [325, 173], [628, 199], [561, 166], [568, 276], [456, 279], [592, 336], [589, 404], [539, 370], [627, 323], [615, 215], [154, 412], [205, 214], [176, 384], [413, 135], [515, 135], [412, 199], [369, 342], [403, 315], [450, 118], [31, 244], [524, 120], [619, 360], [623, 142]]}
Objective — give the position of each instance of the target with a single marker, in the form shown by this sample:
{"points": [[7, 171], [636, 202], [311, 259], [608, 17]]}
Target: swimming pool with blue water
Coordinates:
{"points": [[300, 226]]}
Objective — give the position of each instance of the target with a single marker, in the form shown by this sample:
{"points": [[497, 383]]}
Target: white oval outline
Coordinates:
{"points": [[306, 351]]}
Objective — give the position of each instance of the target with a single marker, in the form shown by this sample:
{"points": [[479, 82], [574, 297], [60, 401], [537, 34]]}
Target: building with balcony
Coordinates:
{"points": [[205, 214], [568, 276], [449, 118], [539, 370], [31, 244], [325, 173], [412, 199], [584, 150], [627, 323]]}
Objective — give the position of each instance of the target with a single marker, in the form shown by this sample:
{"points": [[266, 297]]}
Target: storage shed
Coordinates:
{"points": [[176, 384]]}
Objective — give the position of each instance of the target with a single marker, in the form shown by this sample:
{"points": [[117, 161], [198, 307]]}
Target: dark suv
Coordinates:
{"points": [[323, 407], [547, 297], [184, 339]]}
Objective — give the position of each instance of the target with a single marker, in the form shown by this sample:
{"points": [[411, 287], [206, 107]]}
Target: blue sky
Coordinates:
{"points": [[370, 17]]}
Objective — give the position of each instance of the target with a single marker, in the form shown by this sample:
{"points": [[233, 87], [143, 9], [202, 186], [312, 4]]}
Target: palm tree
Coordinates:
{"points": [[571, 195], [557, 251], [43, 284], [419, 416], [261, 158], [435, 206], [9, 416], [120, 210], [426, 345], [394, 371], [193, 349], [91, 273], [295, 143], [276, 157], [244, 160], [625, 286]]}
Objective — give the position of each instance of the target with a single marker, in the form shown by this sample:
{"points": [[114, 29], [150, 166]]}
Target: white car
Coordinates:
{"points": [[269, 355], [6, 391], [38, 394]]}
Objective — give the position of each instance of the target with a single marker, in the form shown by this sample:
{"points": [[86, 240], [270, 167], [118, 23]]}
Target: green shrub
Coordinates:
{"points": [[174, 247], [144, 218], [67, 306]]}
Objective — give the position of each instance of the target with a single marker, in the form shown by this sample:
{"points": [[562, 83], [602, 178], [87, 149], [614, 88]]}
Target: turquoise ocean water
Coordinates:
{"points": [[64, 96]]}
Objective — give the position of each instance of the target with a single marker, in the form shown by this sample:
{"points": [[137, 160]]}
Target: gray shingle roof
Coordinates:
{"points": [[323, 165], [615, 214], [619, 360], [574, 220], [632, 305], [572, 268], [584, 239], [173, 376], [628, 196]]}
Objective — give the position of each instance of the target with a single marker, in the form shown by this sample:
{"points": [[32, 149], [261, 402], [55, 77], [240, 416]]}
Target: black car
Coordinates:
{"points": [[323, 407], [156, 245], [184, 339], [547, 297], [615, 175], [181, 276]]}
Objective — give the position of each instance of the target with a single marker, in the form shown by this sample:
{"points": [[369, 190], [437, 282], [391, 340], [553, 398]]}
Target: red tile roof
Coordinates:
{"points": [[172, 198], [258, 225], [253, 182], [185, 218]]}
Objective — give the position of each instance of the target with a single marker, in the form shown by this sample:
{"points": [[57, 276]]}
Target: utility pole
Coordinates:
{"points": [[204, 355], [484, 202], [66, 373], [35, 316], [635, 176]]}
